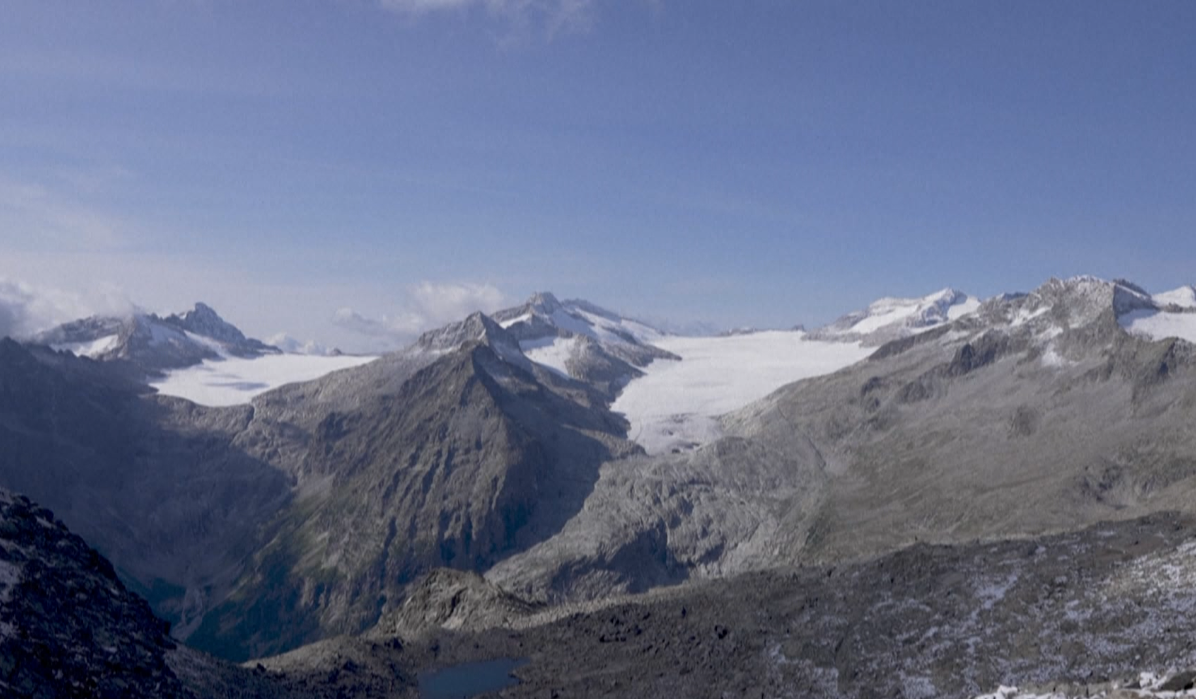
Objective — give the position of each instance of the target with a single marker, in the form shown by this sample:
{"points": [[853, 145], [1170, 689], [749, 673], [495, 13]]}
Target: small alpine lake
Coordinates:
{"points": [[469, 679]]}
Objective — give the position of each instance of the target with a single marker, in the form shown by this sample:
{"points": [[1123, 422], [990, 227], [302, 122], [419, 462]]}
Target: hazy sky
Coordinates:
{"points": [[315, 166]]}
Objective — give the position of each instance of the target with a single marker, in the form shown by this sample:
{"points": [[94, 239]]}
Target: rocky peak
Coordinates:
{"points": [[1070, 303], [478, 327], [543, 302], [203, 320]]}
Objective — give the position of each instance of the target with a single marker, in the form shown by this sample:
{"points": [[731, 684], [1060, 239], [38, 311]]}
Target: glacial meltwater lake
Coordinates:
{"points": [[469, 679]]}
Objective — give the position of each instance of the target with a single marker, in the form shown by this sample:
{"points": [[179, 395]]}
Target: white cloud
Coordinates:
{"points": [[26, 310], [442, 303], [428, 305], [557, 15], [290, 345]]}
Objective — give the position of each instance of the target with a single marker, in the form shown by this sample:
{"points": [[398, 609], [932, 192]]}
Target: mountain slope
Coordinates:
{"points": [[471, 457], [1072, 612], [68, 627], [155, 483], [1035, 413]]}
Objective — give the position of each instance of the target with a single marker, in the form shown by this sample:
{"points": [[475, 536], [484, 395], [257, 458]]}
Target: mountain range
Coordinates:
{"points": [[571, 457], [149, 344]]}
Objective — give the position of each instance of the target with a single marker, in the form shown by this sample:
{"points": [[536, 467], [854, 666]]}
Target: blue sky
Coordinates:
{"points": [[765, 162]]}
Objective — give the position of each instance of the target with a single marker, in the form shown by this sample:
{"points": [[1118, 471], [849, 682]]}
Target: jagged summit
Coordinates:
{"points": [[203, 320], [150, 344], [477, 327], [1100, 305], [544, 302]]}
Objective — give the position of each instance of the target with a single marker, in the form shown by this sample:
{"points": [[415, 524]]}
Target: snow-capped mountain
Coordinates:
{"points": [[1169, 314], [890, 318], [1183, 297], [584, 341], [151, 344], [543, 315], [1062, 305]]}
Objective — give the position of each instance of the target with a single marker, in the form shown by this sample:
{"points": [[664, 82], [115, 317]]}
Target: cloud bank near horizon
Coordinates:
{"points": [[428, 305], [26, 310]]}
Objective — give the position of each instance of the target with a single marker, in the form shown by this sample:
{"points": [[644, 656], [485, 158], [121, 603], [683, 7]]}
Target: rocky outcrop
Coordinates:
{"points": [[454, 600], [68, 626]]}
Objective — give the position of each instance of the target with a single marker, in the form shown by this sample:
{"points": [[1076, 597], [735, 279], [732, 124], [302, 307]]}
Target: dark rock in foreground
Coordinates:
{"points": [[68, 626]]}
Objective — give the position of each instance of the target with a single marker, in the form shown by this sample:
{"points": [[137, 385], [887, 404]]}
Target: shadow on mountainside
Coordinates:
{"points": [[153, 483], [470, 460]]}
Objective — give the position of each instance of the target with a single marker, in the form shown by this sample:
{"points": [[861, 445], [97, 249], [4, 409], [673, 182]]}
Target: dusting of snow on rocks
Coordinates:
{"points": [[1148, 684], [676, 403]]}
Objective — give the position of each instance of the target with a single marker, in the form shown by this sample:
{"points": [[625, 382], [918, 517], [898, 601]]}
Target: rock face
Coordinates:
{"points": [[472, 457], [154, 483], [1035, 413], [488, 446], [68, 626], [454, 600]]}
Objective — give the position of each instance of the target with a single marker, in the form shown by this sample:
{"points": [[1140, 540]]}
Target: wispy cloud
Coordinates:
{"points": [[557, 16], [26, 309], [36, 211], [427, 305]]}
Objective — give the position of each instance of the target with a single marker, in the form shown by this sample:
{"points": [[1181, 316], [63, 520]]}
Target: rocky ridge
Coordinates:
{"points": [[146, 345], [1034, 414]]}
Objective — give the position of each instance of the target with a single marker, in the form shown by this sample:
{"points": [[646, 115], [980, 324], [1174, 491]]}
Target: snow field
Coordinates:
{"points": [[1159, 324], [551, 352], [233, 380], [675, 404]]}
